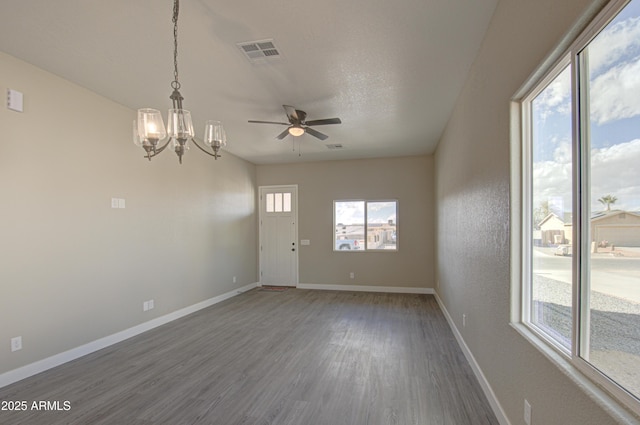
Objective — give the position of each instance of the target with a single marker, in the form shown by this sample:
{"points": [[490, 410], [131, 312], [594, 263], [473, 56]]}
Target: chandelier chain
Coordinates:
{"points": [[149, 129], [175, 84]]}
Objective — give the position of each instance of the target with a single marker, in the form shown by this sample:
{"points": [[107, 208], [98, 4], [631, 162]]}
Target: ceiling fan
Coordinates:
{"points": [[298, 125]]}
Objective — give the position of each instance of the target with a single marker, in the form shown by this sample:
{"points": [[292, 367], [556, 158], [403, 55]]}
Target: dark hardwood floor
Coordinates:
{"points": [[298, 357]]}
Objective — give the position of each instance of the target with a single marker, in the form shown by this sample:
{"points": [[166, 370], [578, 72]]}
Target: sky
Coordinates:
{"points": [[614, 122], [352, 212]]}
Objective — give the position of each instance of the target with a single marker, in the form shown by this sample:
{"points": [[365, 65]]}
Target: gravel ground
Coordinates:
{"points": [[615, 328]]}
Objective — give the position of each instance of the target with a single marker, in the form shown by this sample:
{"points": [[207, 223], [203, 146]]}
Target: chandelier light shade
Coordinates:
{"points": [[179, 124], [150, 126], [149, 129], [214, 135]]}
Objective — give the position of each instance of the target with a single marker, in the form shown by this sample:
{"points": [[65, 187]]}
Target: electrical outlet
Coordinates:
{"points": [[151, 304], [464, 320], [234, 279], [16, 343], [352, 275], [527, 412]]}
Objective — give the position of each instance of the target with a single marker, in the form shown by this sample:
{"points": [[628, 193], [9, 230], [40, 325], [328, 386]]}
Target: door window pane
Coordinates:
{"points": [[278, 202], [269, 201], [286, 200]]}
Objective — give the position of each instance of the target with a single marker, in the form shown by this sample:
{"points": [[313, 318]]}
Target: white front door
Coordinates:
{"points": [[278, 236]]}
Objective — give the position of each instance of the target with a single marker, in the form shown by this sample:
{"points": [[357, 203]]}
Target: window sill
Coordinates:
{"points": [[599, 395]]}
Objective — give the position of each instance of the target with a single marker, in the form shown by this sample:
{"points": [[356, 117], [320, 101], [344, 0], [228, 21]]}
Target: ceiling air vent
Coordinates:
{"points": [[334, 146], [256, 50]]}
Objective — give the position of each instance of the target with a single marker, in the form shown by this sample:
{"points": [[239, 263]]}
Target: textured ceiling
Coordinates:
{"points": [[391, 70]]}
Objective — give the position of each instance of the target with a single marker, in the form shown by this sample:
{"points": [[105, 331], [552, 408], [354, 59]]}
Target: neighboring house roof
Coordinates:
{"points": [[606, 214], [549, 217], [599, 215]]}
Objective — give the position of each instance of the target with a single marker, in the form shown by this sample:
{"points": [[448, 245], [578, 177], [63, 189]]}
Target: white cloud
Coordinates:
{"points": [[562, 154], [616, 93], [349, 212], [614, 43], [614, 67], [614, 171], [381, 212], [614, 61], [556, 97], [552, 179]]}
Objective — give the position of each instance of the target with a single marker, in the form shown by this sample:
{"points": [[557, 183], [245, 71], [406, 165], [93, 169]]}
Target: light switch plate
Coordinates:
{"points": [[14, 100], [16, 343], [527, 412]]}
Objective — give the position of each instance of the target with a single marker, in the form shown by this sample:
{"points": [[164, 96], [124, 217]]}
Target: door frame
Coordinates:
{"points": [[294, 191]]}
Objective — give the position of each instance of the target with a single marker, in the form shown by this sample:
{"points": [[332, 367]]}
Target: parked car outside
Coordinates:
{"points": [[563, 250], [347, 244]]}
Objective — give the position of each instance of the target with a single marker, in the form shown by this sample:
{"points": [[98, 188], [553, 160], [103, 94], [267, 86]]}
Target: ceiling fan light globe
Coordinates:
{"points": [[296, 131]]}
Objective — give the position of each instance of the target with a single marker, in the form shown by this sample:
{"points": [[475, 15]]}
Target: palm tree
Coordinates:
{"points": [[608, 200]]}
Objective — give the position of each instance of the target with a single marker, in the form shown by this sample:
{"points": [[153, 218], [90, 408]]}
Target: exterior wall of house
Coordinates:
{"points": [[552, 231], [618, 229], [554, 223], [72, 269], [408, 180], [473, 214]]}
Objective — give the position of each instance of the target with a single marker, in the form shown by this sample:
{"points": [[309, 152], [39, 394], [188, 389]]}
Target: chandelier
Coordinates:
{"points": [[149, 129]]}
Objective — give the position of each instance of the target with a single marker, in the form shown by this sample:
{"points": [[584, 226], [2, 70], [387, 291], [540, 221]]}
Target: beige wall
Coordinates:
{"points": [[72, 269], [472, 195], [409, 180]]}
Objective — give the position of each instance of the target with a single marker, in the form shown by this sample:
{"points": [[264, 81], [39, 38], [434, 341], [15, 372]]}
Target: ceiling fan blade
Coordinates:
{"points": [[316, 133], [324, 121], [268, 122], [291, 113], [283, 134]]}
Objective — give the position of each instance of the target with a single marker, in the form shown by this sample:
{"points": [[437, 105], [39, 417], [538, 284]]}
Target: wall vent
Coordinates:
{"points": [[261, 49], [334, 146]]}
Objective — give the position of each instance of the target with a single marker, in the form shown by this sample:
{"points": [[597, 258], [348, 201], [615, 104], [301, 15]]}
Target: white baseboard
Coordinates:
{"points": [[362, 288], [16, 375], [486, 387]]}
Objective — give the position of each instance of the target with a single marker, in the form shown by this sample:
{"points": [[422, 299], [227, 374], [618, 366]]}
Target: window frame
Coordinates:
{"points": [[527, 199], [581, 371], [278, 202], [365, 225]]}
